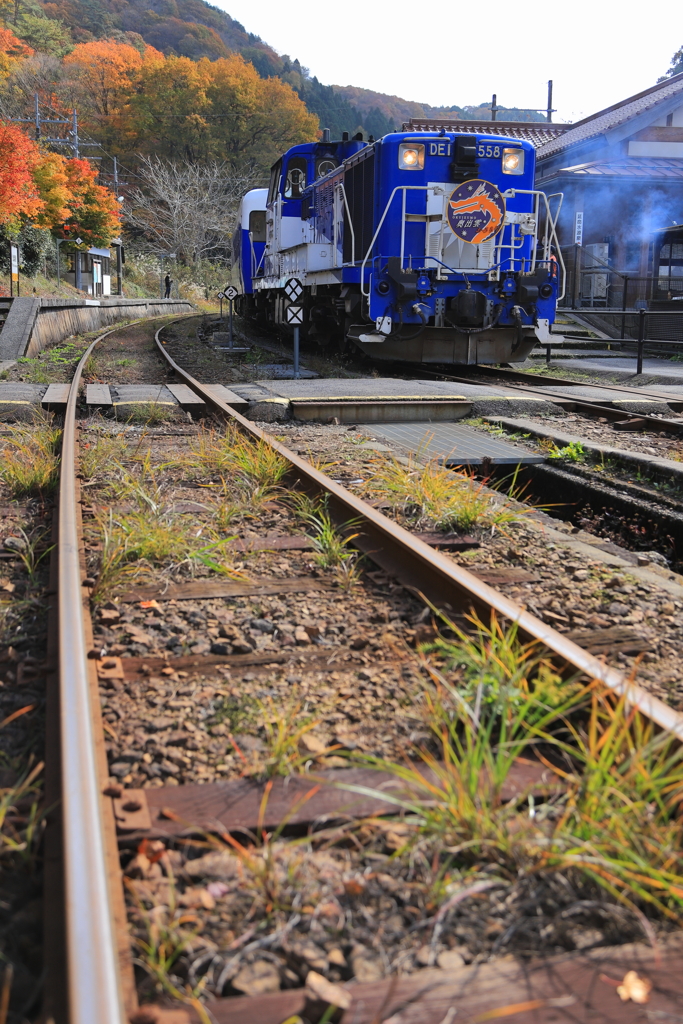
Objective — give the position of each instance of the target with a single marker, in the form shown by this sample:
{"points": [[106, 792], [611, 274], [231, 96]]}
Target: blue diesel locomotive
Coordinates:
{"points": [[426, 247]]}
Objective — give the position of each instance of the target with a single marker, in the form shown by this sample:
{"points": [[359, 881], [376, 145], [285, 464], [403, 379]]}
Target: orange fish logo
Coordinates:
{"points": [[475, 211]]}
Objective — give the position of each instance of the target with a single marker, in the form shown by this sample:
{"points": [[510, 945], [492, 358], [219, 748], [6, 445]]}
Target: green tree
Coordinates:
{"points": [[676, 65]]}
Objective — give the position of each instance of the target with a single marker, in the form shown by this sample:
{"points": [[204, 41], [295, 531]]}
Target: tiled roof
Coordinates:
{"points": [[537, 132], [611, 117], [631, 167]]}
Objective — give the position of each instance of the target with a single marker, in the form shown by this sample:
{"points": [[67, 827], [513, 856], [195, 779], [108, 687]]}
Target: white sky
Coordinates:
{"points": [[596, 52]]}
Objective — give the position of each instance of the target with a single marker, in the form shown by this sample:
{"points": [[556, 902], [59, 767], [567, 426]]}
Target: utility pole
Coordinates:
{"points": [[494, 107], [549, 111]]}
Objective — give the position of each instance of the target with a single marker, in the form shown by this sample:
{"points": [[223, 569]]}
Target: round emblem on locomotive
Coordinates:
{"points": [[475, 211]]}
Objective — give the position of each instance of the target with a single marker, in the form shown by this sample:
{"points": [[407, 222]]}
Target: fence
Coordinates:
{"points": [[593, 284]]}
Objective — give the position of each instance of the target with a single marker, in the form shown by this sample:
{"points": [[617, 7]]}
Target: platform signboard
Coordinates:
{"points": [[14, 267]]}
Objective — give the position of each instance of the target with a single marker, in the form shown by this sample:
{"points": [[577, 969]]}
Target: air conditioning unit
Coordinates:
{"points": [[594, 277]]}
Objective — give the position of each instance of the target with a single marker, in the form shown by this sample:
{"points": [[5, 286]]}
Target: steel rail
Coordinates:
{"points": [[94, 988], [608, 412], [437, 577], [93, 983]]}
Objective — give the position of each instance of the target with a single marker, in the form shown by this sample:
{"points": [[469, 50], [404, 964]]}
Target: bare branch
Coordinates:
{"points": [[189, 209]]}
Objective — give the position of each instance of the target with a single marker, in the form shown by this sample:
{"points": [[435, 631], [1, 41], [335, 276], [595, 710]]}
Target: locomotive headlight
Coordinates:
{"points": [[513, 161], [411, 156]]}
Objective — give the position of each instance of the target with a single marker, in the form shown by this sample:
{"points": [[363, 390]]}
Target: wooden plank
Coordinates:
{"points": [[226, 395], [606, 641], [499, 577], [308, 659], [98, 394], [273, 542], [203, 589], [448, 541], [572, 987], [201, 662], [236, 804], [185, 396], [56, 396]]}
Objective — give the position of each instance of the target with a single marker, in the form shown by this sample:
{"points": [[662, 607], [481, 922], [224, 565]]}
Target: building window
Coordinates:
{"points": [[669, 120]]}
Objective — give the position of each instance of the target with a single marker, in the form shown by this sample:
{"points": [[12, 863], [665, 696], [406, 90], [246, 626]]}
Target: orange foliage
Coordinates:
{"points": [[12, 46], [18, 192], [106, 71], [52, 181], [94, 214], [11, 51]]}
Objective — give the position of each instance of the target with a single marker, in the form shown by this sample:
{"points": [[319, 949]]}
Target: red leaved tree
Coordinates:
{"points": [[19, 156]]}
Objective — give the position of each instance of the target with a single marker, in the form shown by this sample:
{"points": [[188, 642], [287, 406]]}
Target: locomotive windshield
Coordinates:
{"points": [[324, 165], [296, 177]]}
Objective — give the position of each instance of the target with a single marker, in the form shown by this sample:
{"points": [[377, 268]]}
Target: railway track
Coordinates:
{"points": [[101, 815]]}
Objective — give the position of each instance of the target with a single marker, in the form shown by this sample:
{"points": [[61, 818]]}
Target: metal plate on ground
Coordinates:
{"points": [[457, 445]]}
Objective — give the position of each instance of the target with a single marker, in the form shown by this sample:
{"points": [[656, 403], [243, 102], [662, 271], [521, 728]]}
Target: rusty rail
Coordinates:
{"points": [[438, 578]]}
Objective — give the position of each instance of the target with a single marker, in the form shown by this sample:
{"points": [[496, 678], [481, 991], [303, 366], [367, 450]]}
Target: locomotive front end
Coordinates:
{"points": [[462, 264]]}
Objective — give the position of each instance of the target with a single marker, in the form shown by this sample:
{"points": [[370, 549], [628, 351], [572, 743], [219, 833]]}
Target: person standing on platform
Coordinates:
{"points": [[168, 281]]}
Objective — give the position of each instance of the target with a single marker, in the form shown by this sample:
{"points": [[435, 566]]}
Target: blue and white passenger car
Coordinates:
{"points": [[424, 246]]}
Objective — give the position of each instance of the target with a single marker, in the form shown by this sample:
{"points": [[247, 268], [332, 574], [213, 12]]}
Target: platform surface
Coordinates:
{"points": [[17, 392], [457, 445], [653, 367], [601, 394], [362, 388]]}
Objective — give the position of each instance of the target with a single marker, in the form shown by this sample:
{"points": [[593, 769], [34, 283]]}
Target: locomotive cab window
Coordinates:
{"points": [[296, 177], [324, 165], [257, 225], [275, 172]]}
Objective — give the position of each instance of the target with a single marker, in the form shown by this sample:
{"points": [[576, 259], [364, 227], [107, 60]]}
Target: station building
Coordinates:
{"points": [[96, 272], [621, 172]]}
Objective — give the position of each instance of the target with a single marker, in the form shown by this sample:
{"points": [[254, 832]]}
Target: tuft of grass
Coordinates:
{"points": [[151, 414], [135, 543], [332, 545], [614, 820], [234, 454], [168, 932], [284, 730], [20, 831], [29, 464], [572, 452], [98, 455], [447, 499]]}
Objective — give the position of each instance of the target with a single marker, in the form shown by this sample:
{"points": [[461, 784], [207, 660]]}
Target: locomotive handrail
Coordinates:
{"points": [[340, 185], [399, 188], [550, 222]]}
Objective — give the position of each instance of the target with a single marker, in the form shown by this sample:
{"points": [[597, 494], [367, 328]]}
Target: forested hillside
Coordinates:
{"points": [[180, 111]]}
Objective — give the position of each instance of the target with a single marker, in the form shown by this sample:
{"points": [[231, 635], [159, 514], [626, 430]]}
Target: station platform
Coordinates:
{"points": [[604, 395], [383, 399]]}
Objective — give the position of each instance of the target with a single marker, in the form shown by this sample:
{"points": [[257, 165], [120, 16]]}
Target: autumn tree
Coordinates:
{"points": [[213, 110], [19, 196], [94, 214], [104, 73], [12, 50], [53, 185]]}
